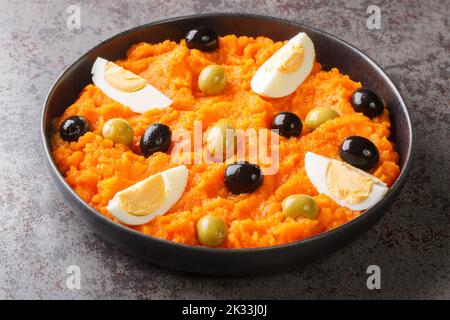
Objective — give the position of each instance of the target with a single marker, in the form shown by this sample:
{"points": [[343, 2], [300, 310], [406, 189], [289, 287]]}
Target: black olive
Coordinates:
{"points": [[243, 177], [73, 127], [202, 38], [366, 101], [156, 138], [359, 152], [288, 124]]}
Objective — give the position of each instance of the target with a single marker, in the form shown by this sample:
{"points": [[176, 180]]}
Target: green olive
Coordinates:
{"points": [[211, 230], [318, 116], [212, 79], [118, 130], [221, 141], [300, 205]]}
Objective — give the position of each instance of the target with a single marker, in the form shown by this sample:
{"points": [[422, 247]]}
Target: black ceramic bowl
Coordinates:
{"points": [[331, 52]]}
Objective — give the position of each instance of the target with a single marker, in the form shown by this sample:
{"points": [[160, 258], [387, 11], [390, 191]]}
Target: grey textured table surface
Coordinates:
{"points": [[40, 236]]}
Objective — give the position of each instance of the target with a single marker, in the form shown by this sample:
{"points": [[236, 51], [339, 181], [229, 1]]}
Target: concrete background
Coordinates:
{"points": [[40, 236]]}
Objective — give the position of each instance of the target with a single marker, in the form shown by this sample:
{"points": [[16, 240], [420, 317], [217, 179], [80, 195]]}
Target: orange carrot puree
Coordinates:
{"points": [[97, 169]]}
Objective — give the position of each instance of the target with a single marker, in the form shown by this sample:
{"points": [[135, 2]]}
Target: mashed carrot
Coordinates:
{"points": [[97, 168]]}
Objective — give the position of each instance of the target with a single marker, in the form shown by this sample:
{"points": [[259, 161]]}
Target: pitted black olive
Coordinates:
{"points": [[359, 152], [288, 124], [243, 177], [156, 138], [366, 101], [203, 39], [73, 127]]}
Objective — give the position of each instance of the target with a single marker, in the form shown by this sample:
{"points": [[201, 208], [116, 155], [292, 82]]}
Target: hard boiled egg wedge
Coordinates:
{"points": [[126, 87], [149, 198], [348, 186], [286, 69]]}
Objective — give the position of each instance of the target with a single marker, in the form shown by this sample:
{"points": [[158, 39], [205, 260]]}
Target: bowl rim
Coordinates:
{"points": [[203, 249]]}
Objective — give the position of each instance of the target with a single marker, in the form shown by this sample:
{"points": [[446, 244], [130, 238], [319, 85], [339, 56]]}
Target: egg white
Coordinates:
{"points": [[276, 84], [175, 180], [138, 101], [316, 170]]}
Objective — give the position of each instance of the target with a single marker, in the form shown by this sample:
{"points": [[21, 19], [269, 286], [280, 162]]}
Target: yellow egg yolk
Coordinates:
{"points": [[289, 59], [122, 79], [144, 198], [348, 183]]}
